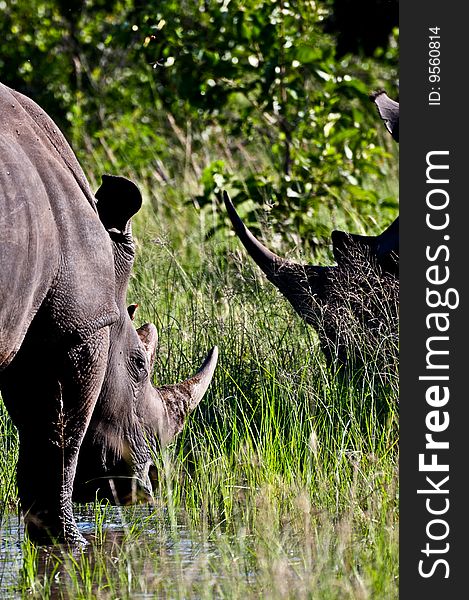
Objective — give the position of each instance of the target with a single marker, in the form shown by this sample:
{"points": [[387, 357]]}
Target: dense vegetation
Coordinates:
{"points": [[244, 94], [284, 483]]}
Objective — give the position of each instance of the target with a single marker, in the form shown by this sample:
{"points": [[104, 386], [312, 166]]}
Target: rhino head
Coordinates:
{"points": [[352, 305], [132, 419]]}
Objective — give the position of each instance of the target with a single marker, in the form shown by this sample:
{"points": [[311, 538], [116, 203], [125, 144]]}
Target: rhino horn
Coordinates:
{"points": [[304, 286], [197, 385], [182, 398], [193, 389]]}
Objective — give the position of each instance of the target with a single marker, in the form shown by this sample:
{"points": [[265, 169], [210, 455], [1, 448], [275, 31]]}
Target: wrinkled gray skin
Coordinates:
{"points": [[67, 343], [353, 305]]}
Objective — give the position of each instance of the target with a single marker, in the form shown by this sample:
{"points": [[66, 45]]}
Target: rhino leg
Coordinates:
{"points": [[61, 386]]}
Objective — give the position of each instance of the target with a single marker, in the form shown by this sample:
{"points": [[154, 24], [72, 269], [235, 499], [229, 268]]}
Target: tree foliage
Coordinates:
{"points": [[261, 74]]}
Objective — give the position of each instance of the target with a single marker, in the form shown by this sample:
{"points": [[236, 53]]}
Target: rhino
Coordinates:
{"points": [[74, 371], [388, 110], [352, 305]]}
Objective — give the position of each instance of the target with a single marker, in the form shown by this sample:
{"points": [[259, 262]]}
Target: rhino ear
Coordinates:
{"points": [[343, 246], [118, 199], [389, 111], [132, 309], [348, 248], [149, 338]]}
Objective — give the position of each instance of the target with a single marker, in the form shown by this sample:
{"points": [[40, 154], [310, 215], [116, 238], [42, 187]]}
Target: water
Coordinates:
{"points": [[11, 557], [124, 544]]}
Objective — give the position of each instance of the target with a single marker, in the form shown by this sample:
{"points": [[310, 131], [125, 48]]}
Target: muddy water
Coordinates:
{"points": [[135, 536]]}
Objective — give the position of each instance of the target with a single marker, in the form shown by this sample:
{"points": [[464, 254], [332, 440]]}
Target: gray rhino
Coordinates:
{"points": [[71, 361], [388, 110], [353, 305]]}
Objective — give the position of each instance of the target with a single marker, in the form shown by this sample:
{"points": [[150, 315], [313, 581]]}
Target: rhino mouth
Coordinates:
{"points": [[118, 490]]}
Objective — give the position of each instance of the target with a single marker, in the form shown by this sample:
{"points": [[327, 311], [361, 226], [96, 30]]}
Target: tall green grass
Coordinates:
{"points": [[283, 484]]}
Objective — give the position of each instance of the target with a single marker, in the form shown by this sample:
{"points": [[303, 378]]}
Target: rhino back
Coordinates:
{"points": [[20, 110], [56, 256]]}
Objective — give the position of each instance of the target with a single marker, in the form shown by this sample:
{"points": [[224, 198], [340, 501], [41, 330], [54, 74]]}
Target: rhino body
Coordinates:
{"points": [[352, 305], [71, 361]]}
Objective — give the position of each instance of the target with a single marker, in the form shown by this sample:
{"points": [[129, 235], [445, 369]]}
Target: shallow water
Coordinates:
{"points": [[11, 557], [134, 535]]}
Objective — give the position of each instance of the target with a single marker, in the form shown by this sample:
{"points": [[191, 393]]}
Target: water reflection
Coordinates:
{"points": [[11, 537], [125, 545]]}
